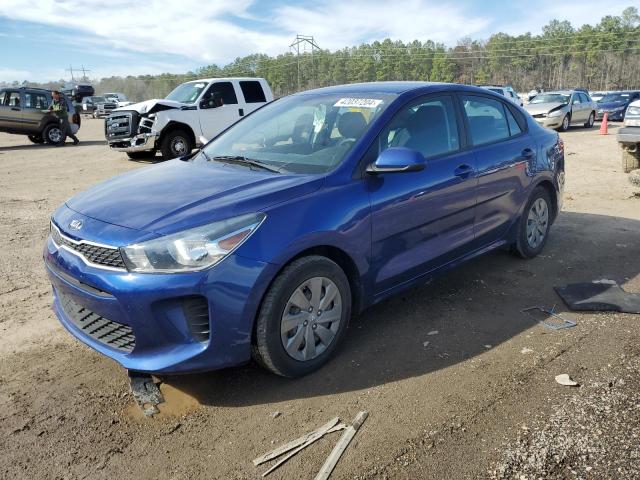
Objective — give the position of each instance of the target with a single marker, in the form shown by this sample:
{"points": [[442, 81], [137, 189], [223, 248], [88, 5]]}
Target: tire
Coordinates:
{"points": [[52, 134], [566, 122], [630, 160], [527, 231], [634, 177], [176, 143], [591, 121], [94, 114], [36, 138], [141, 155], [270, 337]]}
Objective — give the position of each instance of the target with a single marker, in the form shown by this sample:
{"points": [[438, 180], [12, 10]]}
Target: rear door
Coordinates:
{"points": [[422, 220], [253, 94], [504, 154], [11, 111], [213, 118], [32, 113]]}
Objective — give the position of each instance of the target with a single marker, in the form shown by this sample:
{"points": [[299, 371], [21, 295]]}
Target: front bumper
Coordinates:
{"points": [[628, 135], [150, 310], [549, 122], [615, 116], [143, 142]]}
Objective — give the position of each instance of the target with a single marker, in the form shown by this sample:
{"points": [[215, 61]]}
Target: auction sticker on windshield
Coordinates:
{"points": [[358, 102]]}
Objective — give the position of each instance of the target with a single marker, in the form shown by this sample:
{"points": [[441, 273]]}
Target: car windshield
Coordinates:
{"points": [[497, 90], [615, 98], [187, 92], [301, 133], [97, 99], [551, 98]]}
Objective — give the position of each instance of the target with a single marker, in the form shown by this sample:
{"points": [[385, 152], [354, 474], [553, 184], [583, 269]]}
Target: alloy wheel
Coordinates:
{"points": [[55, 135], [537, 223], [311, 318], [179, 146]]}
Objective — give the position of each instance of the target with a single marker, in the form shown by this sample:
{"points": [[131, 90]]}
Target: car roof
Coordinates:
{"points": [[208, 80], [393, 87]]}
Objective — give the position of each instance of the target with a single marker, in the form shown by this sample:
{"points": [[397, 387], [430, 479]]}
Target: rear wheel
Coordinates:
{"points": [[591, 121], [533, 227], [303, 317], [52, 134], [176, 143], [630, 160], [36, 138]]}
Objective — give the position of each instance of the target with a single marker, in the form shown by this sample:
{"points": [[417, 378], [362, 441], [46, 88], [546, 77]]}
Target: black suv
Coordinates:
{"points": [[25, 111]]}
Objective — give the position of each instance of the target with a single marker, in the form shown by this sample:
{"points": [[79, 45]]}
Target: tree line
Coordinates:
{"points": [[605, 56]]}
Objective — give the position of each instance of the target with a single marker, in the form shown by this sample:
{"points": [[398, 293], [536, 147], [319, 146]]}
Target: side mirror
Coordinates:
{"points": [[397, 160]]}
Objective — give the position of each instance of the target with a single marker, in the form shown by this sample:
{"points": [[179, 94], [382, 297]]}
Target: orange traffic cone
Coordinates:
{"points": [[604, 125]]}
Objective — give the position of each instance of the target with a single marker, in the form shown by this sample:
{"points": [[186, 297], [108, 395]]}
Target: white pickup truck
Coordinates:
{"points": [[191, 115]]}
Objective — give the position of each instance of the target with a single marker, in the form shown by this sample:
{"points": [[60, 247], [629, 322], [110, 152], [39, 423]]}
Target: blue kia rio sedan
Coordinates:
{"points": [[265, 242]]}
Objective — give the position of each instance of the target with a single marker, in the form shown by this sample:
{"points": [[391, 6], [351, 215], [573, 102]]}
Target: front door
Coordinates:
{"points": [[577, 109], [216, 117], [11, 111], [422, 220]]}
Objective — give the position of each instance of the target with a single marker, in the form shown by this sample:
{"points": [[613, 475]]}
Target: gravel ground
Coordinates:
{"points": [[454, 407]]}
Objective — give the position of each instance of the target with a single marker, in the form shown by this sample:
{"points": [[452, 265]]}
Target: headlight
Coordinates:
{"points": [[633, 111], [555, 113], [617, 109], [193, 249]]}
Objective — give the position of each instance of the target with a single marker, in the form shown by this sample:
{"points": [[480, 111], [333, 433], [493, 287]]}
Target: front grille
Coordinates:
{"points": [[196, 311], [540, 115], [119, 125], [106, 256], [112, 334]]}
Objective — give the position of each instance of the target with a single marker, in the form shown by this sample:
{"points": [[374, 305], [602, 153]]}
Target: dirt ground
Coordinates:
{"points": [[478, 401]]}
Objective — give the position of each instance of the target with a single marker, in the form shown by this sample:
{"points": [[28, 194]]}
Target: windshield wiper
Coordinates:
{"points": [[242, 160]]}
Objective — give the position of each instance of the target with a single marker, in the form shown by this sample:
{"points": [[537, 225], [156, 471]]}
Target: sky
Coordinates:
{"points": [[41, 39]]}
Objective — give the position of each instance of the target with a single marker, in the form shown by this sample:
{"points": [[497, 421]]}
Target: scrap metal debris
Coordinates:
{"points": [[291, 448], [550, 319], [341, 446], [599, 295], [146, 393], [566, 380]]}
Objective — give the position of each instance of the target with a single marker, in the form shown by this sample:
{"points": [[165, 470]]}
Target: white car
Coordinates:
{"points": [[191, 115], [506, 91], [119, 98]]}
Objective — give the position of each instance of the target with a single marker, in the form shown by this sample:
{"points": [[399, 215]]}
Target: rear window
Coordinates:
{"points": [[252, 92], [487, 121]]}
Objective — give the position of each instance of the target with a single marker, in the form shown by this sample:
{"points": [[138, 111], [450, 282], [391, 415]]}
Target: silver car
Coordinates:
{"points": [[559, 110]]}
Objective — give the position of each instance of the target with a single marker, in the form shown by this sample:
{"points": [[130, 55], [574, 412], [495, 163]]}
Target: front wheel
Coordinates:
{"points": [[564, 126], [176, 144], [36, 139], [630, 159], [533, 227], [303, 317], [591, 121]]}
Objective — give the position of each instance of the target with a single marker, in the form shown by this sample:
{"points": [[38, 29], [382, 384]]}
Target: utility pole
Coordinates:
{"points": [[304, 41], [84, 72]]}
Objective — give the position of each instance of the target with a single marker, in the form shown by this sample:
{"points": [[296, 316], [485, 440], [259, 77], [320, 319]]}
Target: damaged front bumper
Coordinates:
{"points": [[143, 142]]}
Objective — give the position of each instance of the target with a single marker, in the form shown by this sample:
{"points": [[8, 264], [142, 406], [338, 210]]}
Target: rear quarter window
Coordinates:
{"points": [[252, 91]]}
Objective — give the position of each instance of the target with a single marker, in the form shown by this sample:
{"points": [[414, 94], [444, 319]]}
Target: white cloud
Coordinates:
{"points": [[10, 74]]}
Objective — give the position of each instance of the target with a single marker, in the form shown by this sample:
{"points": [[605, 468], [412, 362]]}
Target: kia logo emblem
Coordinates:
{"points": [[75, 224]]}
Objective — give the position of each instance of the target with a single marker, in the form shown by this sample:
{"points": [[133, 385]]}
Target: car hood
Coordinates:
{"points": [[536, 108], [610, 105], [150, 106], [177, 195]]}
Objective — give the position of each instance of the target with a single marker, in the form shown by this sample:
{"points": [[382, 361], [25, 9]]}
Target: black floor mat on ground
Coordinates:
{"points": [[599, 297]]}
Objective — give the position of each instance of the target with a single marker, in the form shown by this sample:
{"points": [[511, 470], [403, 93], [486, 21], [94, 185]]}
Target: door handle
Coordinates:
{"points": [[463, 170], [527, 153], [241, 112], [15, 109]]}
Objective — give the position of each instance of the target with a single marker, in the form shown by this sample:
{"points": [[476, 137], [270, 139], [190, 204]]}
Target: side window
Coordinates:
{"points": [[514, 128], [252, 91], [12, 99], [576, 99], [487, 122], [226, 91], [584, 98], [428, 126], [35, 100]]}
